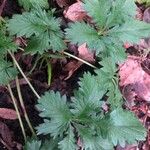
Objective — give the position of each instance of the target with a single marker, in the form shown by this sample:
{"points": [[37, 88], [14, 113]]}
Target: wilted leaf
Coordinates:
{"points": [[84, 53], [75, 12], [133, 76], [6, 113]]}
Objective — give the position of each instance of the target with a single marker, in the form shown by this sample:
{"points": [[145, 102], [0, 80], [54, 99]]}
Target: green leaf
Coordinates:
{"points": [[89, 89], [98, 10], [131, 31], [91, 142], [54, 107], [106, 77], [68, 143], [50, 145], [87, 34], [114, 97], [114, 25], [106, 74], [42, 27], [119, 14], [28, 4], [32, 145], [6, 44], [125, 127], [7, 72], [87, 98]]}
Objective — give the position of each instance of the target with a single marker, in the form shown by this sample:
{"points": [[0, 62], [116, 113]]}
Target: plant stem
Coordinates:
{"points": [[19, 68], [49, 71], [85, 62], [17, 111], [23, 107]]}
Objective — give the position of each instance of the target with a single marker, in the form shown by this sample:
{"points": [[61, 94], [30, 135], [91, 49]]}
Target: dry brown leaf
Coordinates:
{"points": [[8, 114], [134, 80], [75, 12], [7, 136], [71, 67], [85, 54]]}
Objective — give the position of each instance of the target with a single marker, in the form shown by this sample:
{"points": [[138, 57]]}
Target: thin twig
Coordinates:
{"points": [[23, 107], [19, 68], [83, 61], [17, 111]]}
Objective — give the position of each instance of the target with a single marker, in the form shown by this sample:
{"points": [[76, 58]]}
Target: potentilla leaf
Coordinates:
{"points": [[6, 43], [54, 107], [93, 142], [98, 10], [50, 145], [119, 14], [87, 35], [87, 100], [125, 127], [114, 96], [28, 4], [106, 74], [43, 29], [89, 88], [117, 26], [32, 145], [7, 72], [132, 31], [115, 52], [107, 79], [68, 143]]}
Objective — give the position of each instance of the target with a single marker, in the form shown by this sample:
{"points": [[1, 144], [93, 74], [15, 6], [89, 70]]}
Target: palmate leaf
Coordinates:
{"points": [[106, 77], [28, 4], [7, 72], [32, 145], [119, 13], [125, 127], [54, 107], [131, 31], [118, 25], [87, 35], [92, 142], [88, 98], [107, 13], [90, 89], [42, 27], [68, 143], [50, 145], [35, 144], [6, 44], [98, 10], [106, 74]]}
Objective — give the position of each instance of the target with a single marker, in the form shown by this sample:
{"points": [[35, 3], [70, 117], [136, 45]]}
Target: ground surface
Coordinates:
{"points": [[65, 76]]}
